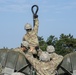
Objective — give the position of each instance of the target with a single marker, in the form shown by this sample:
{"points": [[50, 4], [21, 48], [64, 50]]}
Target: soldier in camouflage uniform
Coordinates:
{"points": [[23, 48], [48, 62], [31, 35]]}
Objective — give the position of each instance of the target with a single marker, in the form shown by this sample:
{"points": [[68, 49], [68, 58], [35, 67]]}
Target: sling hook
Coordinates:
{"points": [[32, 9]]}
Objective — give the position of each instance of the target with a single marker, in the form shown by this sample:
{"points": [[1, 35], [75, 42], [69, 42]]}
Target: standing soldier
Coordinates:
{"points": [[31, 34]]}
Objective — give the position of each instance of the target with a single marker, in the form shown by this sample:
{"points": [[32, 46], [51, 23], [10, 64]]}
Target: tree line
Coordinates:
{"points": [[63, 45]]}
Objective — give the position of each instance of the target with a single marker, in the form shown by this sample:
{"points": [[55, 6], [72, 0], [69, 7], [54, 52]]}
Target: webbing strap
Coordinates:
{"points": [[66, 70]]}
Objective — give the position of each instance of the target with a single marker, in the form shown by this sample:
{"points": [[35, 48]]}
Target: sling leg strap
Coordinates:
{"points": [[66, 70]]}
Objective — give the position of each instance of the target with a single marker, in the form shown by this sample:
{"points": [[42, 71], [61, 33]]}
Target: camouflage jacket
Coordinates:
{"points": [[31, 37], [45, 68]]}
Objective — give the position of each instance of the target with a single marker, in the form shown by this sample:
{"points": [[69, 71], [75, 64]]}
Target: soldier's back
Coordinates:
{"points": [[44, 68]]}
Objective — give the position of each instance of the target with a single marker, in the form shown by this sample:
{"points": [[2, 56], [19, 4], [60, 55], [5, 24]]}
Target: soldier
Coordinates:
{"points": [[31, 35], [24, 47], [52, 54], [48, 55], [44, 56], [45, 66], [50, 49], [10, 61]]}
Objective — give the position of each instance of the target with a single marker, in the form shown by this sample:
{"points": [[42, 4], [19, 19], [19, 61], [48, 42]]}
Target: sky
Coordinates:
{"points": [[55, 17]]}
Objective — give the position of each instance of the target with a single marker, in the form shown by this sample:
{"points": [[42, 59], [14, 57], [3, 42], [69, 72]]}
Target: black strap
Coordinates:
{"points": [[23, 68], [32, 9], [34, 12], [65, 70]]}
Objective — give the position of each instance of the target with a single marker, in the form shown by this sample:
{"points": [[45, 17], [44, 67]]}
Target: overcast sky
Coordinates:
{"points": [[55, 17]]}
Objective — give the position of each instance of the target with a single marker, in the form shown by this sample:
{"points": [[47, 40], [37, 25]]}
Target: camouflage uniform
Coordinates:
{"points": [[25, 44], [44, 68], [17, 73], [31, 37], [44, 56], [18, 49]]}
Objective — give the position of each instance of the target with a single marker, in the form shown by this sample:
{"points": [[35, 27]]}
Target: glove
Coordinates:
{"points": [[35, 16]]}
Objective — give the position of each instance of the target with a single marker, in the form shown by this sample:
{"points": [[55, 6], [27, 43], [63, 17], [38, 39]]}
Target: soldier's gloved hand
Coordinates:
{"points": [[35, 16]]}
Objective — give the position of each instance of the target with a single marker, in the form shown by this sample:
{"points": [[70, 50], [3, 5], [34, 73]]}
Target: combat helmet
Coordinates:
{"points": [[44, 56], [50, 49], [25, 44], [27, 26]]}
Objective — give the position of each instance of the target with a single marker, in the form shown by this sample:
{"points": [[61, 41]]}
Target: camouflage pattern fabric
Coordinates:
{"points": [[25, 43], [31, 37], [44, 68], [50, 49], [17, 73], [44, 56], [18, 49]]}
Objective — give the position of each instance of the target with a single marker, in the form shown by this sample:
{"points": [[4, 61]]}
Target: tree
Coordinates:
{"points": [[51, 40], [42, 43], [66, 44]]}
